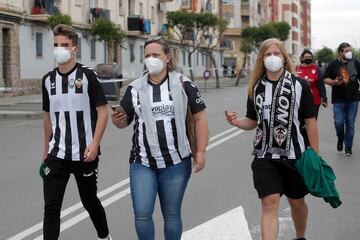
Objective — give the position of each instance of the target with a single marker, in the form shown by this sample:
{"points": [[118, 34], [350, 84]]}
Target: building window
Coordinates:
{"points": [[93, 49], [106, 4], [141, 9], [141, 54], [152, 13], [203, 59], [197, 59], [132, 55], [39, 44], [78, 3], [184, 57], [78, 55], [121, 7]]}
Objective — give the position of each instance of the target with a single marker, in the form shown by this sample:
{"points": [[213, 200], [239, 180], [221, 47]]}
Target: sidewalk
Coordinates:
{"points": [[27, 106], [30, 106]]}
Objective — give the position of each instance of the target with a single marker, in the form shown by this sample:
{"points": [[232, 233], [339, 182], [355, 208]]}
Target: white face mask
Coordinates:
{"points": [[154, 65], [62, 55], [273, 63], [348, 55]]}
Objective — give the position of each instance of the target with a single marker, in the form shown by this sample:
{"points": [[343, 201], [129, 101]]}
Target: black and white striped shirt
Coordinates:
{"points": [[304, 108], [163, 112], [71, 99]]}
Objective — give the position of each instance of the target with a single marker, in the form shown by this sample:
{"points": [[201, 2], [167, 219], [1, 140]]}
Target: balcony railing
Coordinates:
{"points": [[45, 7]]}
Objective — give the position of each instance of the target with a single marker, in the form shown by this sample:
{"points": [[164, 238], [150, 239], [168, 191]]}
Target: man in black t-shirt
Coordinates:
{"points": [[343, 76], [75, 118]]}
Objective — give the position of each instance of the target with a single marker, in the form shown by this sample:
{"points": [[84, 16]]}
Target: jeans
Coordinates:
{"points": [[55, 181], [170, 183], [344, 117]]}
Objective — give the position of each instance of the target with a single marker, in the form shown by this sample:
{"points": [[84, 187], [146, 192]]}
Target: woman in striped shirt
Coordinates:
{"points": [[160, 158]]}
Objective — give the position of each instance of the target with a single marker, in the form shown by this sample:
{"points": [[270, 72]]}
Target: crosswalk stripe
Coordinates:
{"points": [[231, 225]]}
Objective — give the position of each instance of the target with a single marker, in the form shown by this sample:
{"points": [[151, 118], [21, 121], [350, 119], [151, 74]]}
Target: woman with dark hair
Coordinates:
{"points": [[281, 108], [309, 71], [160, 158]]}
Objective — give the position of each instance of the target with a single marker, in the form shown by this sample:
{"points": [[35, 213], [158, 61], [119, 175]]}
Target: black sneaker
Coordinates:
{"points": [[348, 152], [299, 239], [340, 145]]}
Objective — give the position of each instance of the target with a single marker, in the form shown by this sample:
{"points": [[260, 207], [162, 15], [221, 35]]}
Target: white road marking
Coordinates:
{"points": [[222, 134], [223, 139], [67, 211], [74, 220], [81, 216], [231, 225]]}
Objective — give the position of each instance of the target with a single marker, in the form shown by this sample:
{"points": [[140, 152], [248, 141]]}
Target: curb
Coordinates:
{"points": [[20, 115]]}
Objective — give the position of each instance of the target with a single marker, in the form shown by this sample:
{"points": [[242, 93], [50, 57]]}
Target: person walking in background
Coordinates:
{"points": [[343, 76], [233, 70], [225, 70], [160, 158], [310, 72], [281, 108], [75, 118]]}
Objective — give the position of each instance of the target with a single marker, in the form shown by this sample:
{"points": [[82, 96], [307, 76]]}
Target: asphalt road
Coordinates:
{"points": [[226, 182]]}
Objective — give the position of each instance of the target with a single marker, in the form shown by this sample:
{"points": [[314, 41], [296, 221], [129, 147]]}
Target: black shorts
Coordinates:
{"points": [[277, 176]]}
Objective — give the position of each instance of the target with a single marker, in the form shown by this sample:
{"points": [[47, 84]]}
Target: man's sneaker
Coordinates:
{"points": [[348, 152], [340, 145], [107, 238]]}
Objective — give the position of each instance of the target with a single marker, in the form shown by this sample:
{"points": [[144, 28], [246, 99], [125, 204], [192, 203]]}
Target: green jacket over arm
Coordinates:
{"points": [[318, 177]]}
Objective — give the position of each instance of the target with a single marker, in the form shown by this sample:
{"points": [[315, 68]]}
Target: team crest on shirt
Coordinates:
{"points": [[52, 86], [71, 83], [280, 134], [313, 71], [78, 83], [258, 136]]}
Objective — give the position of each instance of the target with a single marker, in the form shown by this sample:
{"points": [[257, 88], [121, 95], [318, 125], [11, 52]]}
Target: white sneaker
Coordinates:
{"points": [[107, 238]]}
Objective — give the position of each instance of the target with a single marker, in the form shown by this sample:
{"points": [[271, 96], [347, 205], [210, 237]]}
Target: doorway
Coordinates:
{"points": [[6, 57]]}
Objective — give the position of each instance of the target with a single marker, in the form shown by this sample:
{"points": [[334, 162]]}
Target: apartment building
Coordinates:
{"points": [[28, 40], [298, 14]]}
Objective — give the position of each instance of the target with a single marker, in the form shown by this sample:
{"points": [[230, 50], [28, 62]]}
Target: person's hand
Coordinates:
{"points": [[199, 162], [231, 117], [44, 155], [119, 119], [338, 81], [324, 104], [91, 152]]}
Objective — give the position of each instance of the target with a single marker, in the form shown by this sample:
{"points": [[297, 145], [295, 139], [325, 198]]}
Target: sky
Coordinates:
{"points": [[334, 22]]}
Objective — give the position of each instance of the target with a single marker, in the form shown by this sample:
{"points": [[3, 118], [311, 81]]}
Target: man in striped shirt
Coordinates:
{"points": [[75, 118]]}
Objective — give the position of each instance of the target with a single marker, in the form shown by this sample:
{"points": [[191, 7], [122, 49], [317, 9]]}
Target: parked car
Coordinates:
{"points": [[110, 72]]}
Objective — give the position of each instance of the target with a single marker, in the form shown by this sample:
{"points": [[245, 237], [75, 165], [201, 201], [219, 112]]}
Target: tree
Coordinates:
{"points": [[59, 18], [110, 33], [324, 55], [188, 28], [213, 28], [256, 35]]}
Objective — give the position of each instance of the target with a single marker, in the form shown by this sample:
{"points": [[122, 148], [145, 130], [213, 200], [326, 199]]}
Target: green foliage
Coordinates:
{"points": [[107, 31], [254, 36], [325, 55], [199, 24], [59, 18]]}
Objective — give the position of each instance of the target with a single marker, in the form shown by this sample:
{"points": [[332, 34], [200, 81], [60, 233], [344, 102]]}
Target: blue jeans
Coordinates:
{"points": [[170, 183], [344, 118]]}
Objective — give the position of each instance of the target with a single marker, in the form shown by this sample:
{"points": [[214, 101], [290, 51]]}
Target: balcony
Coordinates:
{"points": [[96, 13], [43, 8]]}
